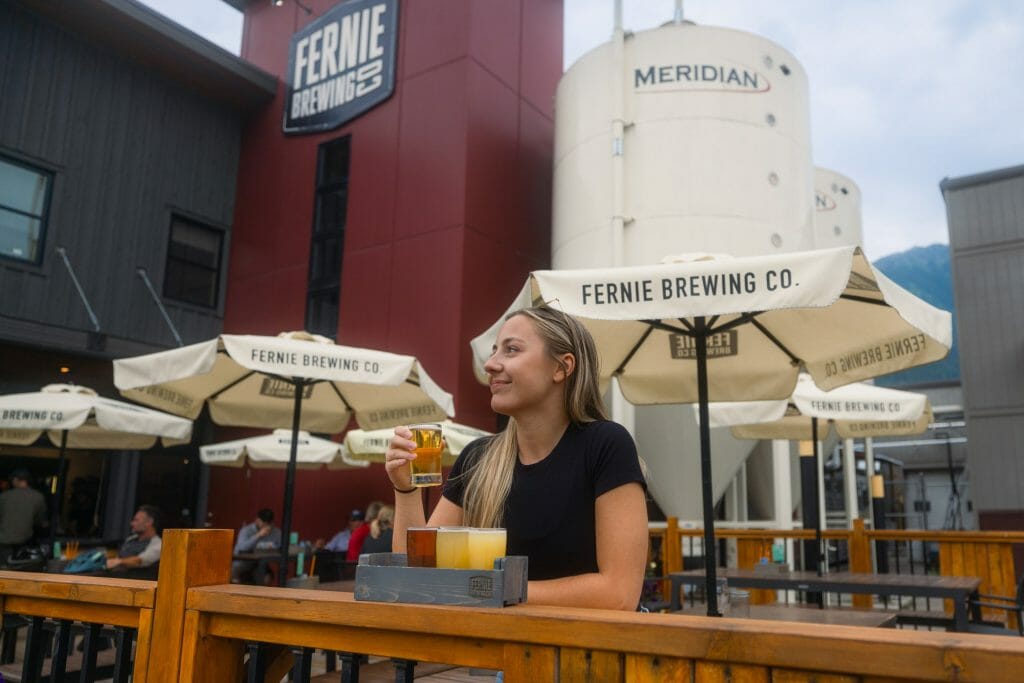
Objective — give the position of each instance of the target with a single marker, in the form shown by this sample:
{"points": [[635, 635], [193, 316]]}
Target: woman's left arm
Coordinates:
{"points": [[622, 538]]}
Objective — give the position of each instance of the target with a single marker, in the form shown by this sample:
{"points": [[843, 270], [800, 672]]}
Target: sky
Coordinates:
{"points": [[903, 93]]}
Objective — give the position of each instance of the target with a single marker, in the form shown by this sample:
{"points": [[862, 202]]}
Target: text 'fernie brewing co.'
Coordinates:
{"points": [[341, 65]]}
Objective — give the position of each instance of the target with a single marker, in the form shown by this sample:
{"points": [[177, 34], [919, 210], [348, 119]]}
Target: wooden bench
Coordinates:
{"points": [[930, 618]]}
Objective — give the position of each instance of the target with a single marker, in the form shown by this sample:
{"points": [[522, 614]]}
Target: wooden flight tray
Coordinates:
{"points": [[386, 577]]}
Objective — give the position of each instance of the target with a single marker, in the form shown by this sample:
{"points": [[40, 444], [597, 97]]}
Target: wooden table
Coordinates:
{"points": [[343, 586], [960, 589], [809, 615]]}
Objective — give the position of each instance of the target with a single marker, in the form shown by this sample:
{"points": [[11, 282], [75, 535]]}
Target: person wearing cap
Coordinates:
{"points": [[22, 511], [339, 544]]}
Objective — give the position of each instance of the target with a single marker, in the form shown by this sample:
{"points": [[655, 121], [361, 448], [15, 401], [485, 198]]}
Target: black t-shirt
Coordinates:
{"points": [[549, 514]]}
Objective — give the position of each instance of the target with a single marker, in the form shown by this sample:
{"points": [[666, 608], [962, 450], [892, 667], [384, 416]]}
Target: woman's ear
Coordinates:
{"points": [[566, 366]]}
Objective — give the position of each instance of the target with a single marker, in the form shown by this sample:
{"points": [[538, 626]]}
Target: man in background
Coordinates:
{"points": [[339, 544], [22, 511], [142, 547], [257, 537]]}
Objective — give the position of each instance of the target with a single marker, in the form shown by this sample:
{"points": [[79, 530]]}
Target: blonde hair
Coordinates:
{"points": [[490, 480], [385, 520]]}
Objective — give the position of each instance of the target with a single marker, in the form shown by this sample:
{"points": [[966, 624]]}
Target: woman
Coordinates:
{"points": [[381, 529], [565, 482]]}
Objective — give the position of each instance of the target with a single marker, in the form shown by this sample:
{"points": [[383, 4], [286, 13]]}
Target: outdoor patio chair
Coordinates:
{"points": [[1012, 605]]}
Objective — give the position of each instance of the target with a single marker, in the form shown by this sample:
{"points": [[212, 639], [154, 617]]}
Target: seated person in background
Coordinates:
{"points": [[355, 544], [339, 544], [261, 535], [379, 540], [22, 510], [142, 547]]}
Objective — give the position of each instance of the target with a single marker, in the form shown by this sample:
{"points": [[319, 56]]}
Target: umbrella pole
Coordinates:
{"points": [[817, 512], [707, 492], [289, 487], [59, 494]]}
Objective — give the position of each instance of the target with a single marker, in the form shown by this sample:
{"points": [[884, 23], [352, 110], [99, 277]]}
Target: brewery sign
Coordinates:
{"points": [[341, 65]]}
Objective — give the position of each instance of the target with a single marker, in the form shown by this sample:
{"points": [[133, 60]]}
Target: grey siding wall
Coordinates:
{"points": [[128, 148], [986, 232]]}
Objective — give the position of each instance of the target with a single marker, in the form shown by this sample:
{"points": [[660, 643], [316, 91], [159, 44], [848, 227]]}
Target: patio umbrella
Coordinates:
{"points": [[76, 417], [274, 451], [370, 446], [855, 410], [295, 379], [714, 328]]}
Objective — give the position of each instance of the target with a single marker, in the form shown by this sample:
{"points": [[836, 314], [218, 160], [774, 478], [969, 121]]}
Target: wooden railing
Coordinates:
{"points": [[985, 554], [194, 626], [124, 603]]}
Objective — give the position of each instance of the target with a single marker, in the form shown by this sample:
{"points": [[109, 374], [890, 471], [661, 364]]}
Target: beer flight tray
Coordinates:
{"points": [[386, 577]]}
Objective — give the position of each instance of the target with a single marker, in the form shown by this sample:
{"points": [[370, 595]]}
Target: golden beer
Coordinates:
{"points": [[485, 546], [425, 469], [453, 548]]}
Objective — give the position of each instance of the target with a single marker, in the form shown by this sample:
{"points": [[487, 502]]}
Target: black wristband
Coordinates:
{"points": [[408, 490]]}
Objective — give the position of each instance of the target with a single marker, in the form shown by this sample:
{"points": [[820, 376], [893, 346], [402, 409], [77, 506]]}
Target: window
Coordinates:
{"points": [[193, 262], [328, 244], [24, 203]]}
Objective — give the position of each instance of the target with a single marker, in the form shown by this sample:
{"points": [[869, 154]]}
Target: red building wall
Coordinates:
{"points": [[449, 208]]}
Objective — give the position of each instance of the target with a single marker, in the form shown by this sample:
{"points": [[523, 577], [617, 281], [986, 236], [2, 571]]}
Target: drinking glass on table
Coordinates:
{"points": [[425, 468], [421, 546], [485, 546], [453, 548]]}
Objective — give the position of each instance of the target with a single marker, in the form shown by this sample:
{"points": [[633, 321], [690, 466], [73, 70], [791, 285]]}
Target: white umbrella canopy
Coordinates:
{"points": [[274, 451], [90, 420], [250, 380], [713, 328], [295, 379], [855, 410], [370, 446], [76, 417]]}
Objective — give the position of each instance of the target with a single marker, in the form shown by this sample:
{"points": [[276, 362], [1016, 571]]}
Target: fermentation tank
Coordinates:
{"points": [[701, 143], [681, 138], [837, 216]]}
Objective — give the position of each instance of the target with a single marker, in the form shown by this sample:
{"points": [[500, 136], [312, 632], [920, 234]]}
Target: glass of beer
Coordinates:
{"points": [[453, 548], [485, 546], [421, 546], [425, 469]]}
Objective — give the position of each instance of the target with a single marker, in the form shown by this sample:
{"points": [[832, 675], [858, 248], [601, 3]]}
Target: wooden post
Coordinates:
{"points": [[860, 559], [671, 555], [190, 558]]}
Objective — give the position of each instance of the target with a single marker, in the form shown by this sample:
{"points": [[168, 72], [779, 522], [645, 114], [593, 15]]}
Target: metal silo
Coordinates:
{"points": [[837, 216], [677, 139]]}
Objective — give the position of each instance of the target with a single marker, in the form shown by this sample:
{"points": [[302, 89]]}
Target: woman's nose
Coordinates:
{"points": [[492, 365]]}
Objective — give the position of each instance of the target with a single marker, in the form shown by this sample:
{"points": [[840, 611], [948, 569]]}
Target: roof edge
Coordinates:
{"points": [[984, 178]]}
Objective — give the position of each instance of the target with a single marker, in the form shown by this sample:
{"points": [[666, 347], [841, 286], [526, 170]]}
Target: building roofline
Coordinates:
{"points": [[130, 29], [980, 178]]}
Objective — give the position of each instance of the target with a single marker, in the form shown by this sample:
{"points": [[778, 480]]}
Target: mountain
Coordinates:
{"points": [[924, 272]]}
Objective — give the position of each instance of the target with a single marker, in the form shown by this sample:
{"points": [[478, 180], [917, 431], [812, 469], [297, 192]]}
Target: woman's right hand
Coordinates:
{"points": [[397, 457]]}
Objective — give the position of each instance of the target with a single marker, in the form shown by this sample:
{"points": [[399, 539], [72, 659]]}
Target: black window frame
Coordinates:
{"points": [[177, 217], [327, 243], [44, 218]]}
